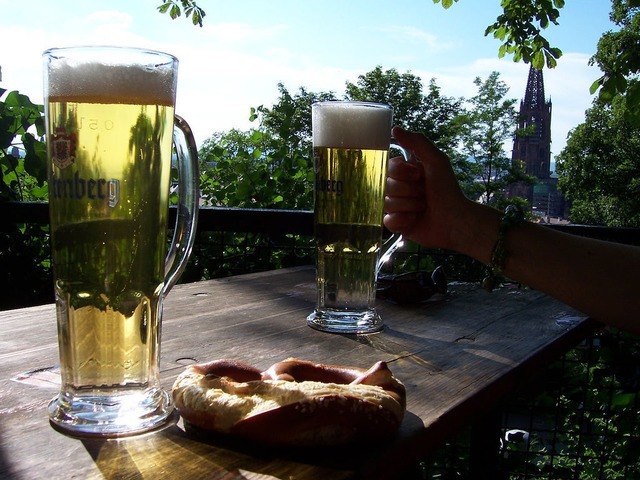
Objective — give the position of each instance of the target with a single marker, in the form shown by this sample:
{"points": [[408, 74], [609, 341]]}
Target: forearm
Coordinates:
{"points": [[600, 279]]}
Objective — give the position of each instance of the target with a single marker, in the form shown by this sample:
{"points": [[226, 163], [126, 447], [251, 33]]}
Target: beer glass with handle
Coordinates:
{"points": [[110, 129], [351, 143]]}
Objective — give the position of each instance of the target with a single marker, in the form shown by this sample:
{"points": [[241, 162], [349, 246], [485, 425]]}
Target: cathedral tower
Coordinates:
{"points": [[533, 148]]}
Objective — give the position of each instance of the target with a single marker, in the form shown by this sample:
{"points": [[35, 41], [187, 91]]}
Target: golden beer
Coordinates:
{"points": [[351, 143], [110, 133], [108, 245], [348, 226]]}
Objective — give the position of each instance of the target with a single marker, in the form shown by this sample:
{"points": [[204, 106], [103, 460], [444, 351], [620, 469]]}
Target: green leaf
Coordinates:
{"points": [[35, 159], [256, 137], [445, 3], [595, 86], [40, 192], [538, 60], [253, 115], [500, 33], [623, 399]]}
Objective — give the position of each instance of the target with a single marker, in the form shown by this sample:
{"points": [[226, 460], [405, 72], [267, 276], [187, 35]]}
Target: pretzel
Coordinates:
{"points": [[293, 403]]}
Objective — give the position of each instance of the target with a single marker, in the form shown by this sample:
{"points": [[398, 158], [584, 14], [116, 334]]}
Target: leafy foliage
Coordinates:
{"points": [[519, 29], [594, 391], [24, 248], [267, 166], [22, 149], [579, 417], [290, 117], [618, 56], [190, 8], [599, 169]]}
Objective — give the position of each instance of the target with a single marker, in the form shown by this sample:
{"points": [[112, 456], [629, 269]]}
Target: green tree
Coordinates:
{"points": [[432, 114], [268, 166], [240, 169], [289, 119], [486, 125], [599, 169], [618, 56], [24, 248], [22, 148]]}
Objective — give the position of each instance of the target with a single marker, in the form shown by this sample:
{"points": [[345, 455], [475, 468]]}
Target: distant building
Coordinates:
{"points": [[534, 149]]}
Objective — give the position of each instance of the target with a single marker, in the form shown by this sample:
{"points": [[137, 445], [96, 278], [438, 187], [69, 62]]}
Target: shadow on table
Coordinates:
{"points": [[174, 452], [5, 468]]}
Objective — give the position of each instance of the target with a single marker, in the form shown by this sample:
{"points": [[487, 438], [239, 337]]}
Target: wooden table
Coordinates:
{"points": [[457, 357]]}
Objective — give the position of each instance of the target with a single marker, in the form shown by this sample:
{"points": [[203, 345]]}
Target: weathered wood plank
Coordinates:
{"points": [[456, 356]]}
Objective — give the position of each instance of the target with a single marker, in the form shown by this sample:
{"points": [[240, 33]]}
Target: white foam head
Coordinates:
{"points": [[111, 75], [351, 125]]}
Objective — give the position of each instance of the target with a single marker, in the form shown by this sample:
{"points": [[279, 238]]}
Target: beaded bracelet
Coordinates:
{"points": [[512, 216]]}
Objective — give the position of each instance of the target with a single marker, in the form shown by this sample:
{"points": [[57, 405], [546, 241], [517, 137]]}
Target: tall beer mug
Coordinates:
{"points": [[351, 143], [110, 126]]}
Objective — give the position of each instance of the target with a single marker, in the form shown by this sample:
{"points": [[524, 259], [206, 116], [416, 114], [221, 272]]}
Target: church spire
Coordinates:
{"points": [[533, 145], [534, 96]]}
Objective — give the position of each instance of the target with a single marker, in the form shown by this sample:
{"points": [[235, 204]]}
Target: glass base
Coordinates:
{"points": [[110, 414], [338, 321]]}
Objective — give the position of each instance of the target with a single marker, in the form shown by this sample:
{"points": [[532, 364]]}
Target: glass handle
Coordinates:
{"points": [[395, 241], [188, 202]]}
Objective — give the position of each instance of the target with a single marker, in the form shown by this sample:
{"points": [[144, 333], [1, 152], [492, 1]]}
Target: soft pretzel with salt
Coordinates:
{"points": [[293, 403]]}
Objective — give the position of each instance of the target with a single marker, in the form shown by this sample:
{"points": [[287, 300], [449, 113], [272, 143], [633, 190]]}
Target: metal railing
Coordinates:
{"points": [[229, 241], [297, 222]]}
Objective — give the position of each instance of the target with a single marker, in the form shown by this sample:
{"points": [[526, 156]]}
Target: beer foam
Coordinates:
{"points": [[87, 80], [351, 125]]}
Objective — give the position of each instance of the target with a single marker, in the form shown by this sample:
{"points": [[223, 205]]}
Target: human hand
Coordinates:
{"points": [[423, 199]]}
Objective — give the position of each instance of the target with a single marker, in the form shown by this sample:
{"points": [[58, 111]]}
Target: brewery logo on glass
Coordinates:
{"points": [[64, 148], [322, 184], [63, 155]]}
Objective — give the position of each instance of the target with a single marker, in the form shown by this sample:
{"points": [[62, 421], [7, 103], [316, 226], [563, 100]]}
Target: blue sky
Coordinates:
{"points": [[246, 47]]}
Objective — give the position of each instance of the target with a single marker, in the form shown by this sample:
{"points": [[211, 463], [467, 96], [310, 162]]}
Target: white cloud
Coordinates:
{"points": [[109, 20], [404, 34], [237, 33]]}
